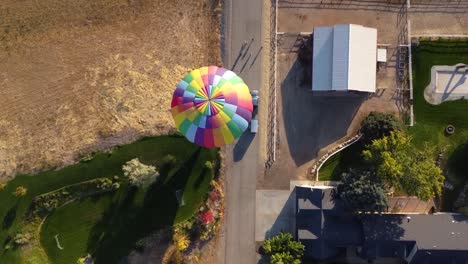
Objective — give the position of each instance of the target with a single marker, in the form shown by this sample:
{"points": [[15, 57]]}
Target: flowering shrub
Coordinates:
{"points": [[209, 215], [181, 240], [205, 223], [214, 196]]}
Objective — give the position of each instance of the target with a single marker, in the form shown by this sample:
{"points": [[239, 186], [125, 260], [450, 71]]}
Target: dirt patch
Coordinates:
{"points": [[80, 76]]}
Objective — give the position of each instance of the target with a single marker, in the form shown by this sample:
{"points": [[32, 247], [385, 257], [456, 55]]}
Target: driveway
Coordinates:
{"points": [[243, 52], [275, 212]]}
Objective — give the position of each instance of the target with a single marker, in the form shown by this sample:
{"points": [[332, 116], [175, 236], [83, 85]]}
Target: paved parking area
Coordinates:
{"points": [[309, 124], [274, 213]]}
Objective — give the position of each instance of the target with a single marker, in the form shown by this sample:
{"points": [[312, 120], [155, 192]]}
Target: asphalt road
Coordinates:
{"points": [[243, 56]]}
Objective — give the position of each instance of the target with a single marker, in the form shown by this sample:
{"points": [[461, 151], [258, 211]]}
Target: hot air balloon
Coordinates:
{"points": [[212, 106]]}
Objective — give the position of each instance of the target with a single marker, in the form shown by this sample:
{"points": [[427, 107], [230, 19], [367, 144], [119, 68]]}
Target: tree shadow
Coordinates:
{"points": [[456, 174], [457, 165], [10, 217], [383, 227], [314, 120], [125, 223]]}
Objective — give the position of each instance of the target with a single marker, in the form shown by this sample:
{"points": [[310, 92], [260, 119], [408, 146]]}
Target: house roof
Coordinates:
{"points": [[438, 231], [344, 58], [323, 226]]}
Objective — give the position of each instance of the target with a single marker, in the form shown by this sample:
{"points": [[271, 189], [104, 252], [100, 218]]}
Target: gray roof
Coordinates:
{"points": [[437, 238], [438, 231], [322, 223], [324, 226]]}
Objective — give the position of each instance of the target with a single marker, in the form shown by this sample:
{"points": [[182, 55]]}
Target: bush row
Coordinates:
{"points": [[43, 204]]}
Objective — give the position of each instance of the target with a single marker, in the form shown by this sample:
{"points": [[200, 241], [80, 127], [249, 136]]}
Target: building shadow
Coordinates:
{"points": [[314, 120]]}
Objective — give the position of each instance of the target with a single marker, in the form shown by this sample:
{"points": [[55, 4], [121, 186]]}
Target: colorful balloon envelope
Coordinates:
{"points": [[212, 106]]}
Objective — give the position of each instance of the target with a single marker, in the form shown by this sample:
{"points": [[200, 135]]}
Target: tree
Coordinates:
{"points": [[378, 125], [20, 191], [139, 174], [362, 191], [284, 258], [402, 166], [284, 248]]}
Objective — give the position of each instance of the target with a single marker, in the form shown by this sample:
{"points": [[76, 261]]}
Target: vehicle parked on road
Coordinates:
{"points": [[255, 97]]}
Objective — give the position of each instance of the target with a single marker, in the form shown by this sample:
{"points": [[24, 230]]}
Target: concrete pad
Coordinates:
{"points": [[275, 212], [447, 83]]}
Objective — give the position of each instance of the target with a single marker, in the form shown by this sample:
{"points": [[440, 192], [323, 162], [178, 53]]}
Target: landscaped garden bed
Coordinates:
{"points": [[106, 224]]}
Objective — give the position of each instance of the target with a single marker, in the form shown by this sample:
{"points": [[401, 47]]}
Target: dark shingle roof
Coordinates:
{"points": [[438, 231], [324, 226], [322, 223]]}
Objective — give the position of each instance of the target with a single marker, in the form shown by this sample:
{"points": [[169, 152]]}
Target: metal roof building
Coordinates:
{"points": [[344, 58]]}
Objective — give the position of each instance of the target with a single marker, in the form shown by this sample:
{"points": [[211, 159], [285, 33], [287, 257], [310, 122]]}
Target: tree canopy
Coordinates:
{"points": [[362, 191], [284, 258], [401, 165], [283, 249], [139, 174], [378, 125]]}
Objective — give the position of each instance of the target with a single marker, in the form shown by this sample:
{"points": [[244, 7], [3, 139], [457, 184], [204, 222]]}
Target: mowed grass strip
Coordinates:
{"points": [[158, 205]]}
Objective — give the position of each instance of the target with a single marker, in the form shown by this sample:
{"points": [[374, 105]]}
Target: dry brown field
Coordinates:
{"points": [[78, 76]]}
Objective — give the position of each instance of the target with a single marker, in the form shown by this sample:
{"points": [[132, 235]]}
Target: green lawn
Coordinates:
{"points": [[341, 162], [431, 120], [109, 225]]}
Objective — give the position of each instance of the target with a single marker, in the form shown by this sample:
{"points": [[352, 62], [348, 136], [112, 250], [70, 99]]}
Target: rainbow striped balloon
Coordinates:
{"points": [[212, 106]]}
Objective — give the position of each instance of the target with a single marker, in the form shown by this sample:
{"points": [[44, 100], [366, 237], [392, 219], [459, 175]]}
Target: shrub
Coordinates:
{"points": [[45, 203], [283, 245], [2, 186], [139, 174], [20, 191], [207, 217], [283, 258], [181, 241], [209, 165], [21, 239], [87, 157], [85, 260]]}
